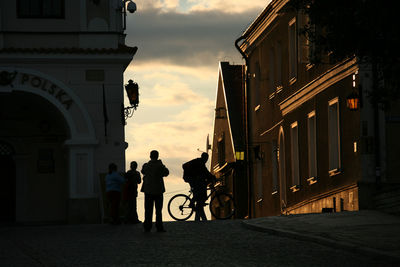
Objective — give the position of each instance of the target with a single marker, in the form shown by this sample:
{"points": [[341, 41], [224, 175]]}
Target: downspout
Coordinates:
{"points": [[246, 134]]}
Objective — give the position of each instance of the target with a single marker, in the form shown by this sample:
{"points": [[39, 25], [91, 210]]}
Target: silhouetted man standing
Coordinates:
{"points": [[196, 173], [153, 187]]}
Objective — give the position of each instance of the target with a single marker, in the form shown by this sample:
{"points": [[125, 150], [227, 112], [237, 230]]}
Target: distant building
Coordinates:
{"points": [[61, 91], [227, 160], [308, 152]]}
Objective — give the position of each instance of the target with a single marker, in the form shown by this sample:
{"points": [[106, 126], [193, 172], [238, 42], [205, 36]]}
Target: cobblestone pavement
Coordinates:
{"points": [[366, 231], [212, 243]]}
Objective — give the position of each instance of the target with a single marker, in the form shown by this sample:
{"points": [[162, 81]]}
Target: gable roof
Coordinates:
{"points": [[233, 86]]}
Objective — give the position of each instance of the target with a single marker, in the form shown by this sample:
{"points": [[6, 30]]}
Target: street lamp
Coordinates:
{"points": [[130, 6], [132, 91], [353, 101]]}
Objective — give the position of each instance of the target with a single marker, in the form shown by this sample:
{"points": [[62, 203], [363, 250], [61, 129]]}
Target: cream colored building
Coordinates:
{"points": [[59, 129]]}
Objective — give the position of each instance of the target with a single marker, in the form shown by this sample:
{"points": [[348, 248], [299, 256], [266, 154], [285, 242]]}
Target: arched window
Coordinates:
{"points": [[282, 171]]}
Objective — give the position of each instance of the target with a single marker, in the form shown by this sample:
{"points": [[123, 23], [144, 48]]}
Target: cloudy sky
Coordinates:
{"points": [[181, 43]]}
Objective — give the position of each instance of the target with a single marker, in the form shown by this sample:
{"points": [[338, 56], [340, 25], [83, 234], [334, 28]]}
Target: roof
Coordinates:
{"points": [[260, 17], [232, 77], [263, 20]]}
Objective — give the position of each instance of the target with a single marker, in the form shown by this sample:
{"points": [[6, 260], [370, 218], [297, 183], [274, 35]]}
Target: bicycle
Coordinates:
{"points": [[222, 207]]}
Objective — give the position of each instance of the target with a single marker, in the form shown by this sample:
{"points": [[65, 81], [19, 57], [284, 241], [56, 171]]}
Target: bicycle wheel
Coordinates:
{"points": [[180, 208], [222, 206]]}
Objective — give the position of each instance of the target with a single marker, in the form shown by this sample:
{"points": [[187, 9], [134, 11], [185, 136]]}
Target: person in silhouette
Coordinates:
{"points": [[114, 182], [153, 188], [133, 178], [197, 175]]}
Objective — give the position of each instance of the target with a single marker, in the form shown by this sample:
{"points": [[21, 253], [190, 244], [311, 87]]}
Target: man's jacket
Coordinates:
{"points": [[153, 181]]}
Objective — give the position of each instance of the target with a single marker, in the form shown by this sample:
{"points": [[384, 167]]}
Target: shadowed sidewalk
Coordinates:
{"points": [[365, 231]]}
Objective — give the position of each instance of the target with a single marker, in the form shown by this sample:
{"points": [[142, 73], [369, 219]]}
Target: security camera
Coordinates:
{"points": [[131, 7]]}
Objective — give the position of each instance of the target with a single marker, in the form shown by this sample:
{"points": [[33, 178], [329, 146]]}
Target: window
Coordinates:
{"points": [[312, 148], [292, 50], [279, 66], [295, 154], [257, 78], [312, 50], [220, 113], [304, 43], [259, 181], [334, 136], [271, 70], [281, 154], [315, 53], [258, 157], [40, 8]]}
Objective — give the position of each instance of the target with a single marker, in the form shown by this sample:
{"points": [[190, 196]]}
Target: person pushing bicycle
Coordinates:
{"points": [[197, 175]]}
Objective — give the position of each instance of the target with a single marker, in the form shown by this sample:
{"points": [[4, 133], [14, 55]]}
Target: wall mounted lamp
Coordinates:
{"points": [[132, 91], [353, 100]]}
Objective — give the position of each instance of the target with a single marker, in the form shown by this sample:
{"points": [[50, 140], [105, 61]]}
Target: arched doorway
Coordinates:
{"points": [[39, 165], [282, 170], [8, 183], [54, 137]]}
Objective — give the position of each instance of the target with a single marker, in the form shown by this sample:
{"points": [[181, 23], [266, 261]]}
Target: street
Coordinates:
{"points": [[220, 243]]}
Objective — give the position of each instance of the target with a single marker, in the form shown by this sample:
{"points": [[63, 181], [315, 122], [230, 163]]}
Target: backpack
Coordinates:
{"points": [[189, 170]]}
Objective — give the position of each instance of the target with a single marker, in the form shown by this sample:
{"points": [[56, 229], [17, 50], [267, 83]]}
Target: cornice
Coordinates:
{"points": [[122, 49], [318, 85], [261, 23]]}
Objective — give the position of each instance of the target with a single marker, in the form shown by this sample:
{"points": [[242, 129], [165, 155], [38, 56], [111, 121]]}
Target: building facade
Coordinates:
{"points": [[227, 158], [61, 92], [307, 151]]}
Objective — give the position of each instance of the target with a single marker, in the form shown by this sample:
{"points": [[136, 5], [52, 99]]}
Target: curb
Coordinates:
{"points": [[324, 241]]}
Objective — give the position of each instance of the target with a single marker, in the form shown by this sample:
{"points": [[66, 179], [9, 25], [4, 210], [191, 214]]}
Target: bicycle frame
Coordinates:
{"points": [[212, 189], [221, 204]]}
